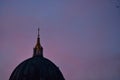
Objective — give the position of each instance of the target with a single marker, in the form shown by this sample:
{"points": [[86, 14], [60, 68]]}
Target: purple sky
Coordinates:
{"points": [[82, 37]]}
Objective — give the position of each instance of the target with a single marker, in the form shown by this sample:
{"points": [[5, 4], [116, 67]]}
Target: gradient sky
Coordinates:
{"points": [[82, 37]]}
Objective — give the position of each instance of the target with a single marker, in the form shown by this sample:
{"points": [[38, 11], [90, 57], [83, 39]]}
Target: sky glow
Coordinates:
{"points": [[80, 36]]}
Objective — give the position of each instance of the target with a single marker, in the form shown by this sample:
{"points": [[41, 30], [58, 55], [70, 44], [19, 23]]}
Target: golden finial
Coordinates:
{"points": [[38, 32], [38, 50]]}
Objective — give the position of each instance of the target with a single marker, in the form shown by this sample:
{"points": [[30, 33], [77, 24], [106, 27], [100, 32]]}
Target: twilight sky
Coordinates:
{"points": [[82, 37]]}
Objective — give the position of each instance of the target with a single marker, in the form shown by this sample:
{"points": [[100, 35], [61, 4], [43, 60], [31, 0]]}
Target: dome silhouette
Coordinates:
{"points": [[37, 67]]}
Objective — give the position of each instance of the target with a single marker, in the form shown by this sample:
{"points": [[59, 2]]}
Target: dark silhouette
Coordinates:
{"points": [[37, 67]]}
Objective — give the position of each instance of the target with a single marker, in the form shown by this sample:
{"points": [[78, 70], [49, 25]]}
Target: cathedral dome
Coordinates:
{"points": [[37, 68]]}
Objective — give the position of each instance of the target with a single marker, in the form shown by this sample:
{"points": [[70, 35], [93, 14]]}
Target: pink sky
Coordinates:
{"points": [[80, 36]]}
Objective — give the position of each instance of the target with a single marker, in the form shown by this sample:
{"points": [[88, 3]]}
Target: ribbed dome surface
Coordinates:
{"points": [[37, 68]]}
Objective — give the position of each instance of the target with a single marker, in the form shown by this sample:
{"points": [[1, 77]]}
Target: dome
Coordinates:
{"points": [[37, 68]]}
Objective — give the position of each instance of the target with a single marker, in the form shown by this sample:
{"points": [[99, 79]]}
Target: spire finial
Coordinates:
{"points": [[38, 50], [38, 32]]}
